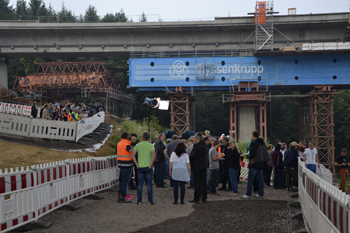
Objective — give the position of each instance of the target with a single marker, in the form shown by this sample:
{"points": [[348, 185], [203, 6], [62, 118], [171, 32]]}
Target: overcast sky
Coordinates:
{"points": [[195, 9]]}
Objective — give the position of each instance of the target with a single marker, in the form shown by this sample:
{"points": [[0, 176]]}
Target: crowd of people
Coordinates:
{"points": [[69, 112], [204, 162]]}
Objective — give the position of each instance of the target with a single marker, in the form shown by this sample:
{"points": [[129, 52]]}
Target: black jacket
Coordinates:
{"points": [[224, 150], [159, 150], [198, 156], [258, 155], [291, 158], [232, 157]]}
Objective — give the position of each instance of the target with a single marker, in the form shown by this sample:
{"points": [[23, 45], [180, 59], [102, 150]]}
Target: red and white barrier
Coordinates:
{"points": [[28, 194], [244, 170], [17, 194], [13, 124], [27, 111], [325, 208]]}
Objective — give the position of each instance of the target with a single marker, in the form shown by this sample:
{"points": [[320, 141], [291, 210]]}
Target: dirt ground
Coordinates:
{"points": [[17, 152], [221, 214]]}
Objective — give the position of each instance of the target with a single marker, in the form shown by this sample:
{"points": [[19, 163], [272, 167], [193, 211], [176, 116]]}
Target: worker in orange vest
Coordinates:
{"points": [[67, 116], [125, 164]]}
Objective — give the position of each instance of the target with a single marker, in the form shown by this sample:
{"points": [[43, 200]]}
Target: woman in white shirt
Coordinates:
{"points": [[179, 170], [311, 157]]}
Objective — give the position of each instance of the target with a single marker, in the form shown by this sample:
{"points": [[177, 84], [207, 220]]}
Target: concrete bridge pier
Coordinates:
{"points": [[3, 73]]}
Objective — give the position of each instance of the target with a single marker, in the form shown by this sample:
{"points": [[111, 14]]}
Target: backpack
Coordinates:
{"points": [[279, 162], [262, 153]]}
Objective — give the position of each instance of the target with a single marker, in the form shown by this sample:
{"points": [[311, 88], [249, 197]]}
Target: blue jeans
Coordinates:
{"points": [[145, 173], [192, 180], [176, 190], [278, 180], [159, 171], [208, 178], [214, 179], [251, 176], [166, 169], [124, 178], [311, 167], [233, 177]]}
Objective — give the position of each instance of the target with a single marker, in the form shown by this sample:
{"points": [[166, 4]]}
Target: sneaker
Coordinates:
{"points": [[233, 194], [151, 203], [245, 196], [129, 196], [139, 203], [258, 196], [216, 194]]}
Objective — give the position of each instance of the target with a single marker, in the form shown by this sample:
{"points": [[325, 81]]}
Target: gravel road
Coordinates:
{"points": [[221, 214]]}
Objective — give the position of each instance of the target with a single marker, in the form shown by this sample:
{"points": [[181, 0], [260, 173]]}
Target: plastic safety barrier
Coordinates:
{"points": [[17, 194], [53, 129], [13, 124], [89, 124], [325, 208], [28, 194]]}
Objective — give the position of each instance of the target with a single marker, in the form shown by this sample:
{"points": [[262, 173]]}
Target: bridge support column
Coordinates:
{"points": [[181, 111], [3, 73], [322, 124], [247, 111]]}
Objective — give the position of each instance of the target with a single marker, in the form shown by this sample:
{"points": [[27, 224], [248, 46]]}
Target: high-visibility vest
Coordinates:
{"points": [[76, 116], [69, 117], [219, 151], [241, 161], [123, 156]]}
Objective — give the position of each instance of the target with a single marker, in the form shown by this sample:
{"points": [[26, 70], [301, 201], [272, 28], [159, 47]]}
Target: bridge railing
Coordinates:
{"points": [[325, 208]]}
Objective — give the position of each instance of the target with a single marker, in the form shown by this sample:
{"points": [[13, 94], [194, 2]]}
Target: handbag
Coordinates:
{"points": [[180, 172]]}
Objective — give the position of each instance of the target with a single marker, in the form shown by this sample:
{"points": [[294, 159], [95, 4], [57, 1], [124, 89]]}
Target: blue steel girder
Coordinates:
{"points": [[224, 73]]}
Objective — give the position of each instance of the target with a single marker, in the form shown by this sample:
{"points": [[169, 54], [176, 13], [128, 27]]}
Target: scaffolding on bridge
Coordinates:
{"points": [[67, 80]]}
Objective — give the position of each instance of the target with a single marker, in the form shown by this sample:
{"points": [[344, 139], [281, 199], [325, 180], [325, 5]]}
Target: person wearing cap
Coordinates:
{"points": [[290, 164], [342, 162]]}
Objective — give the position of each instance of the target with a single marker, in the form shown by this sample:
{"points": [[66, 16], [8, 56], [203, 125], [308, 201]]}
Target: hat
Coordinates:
{"points": [[294, 144], [168, 140], [57, 104]]}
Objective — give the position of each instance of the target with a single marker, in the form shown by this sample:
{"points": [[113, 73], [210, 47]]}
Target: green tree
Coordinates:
{"points": [[22, 10], [143, 17], [121, 17], [66, 16], [108, 18], [342, 120], [6, 11], [37, 8], [91, 15]]}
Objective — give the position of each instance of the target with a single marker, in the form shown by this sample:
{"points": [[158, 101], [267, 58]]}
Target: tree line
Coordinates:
{"points": [[210, 113], [37, 10]]}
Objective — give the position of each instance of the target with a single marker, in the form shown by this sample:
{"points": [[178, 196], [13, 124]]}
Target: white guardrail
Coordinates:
{"points": [[27, 194], [325, 208], [14, 120]]}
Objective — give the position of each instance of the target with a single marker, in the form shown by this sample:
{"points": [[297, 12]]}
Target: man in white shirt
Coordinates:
{"points": [[311, 157]]}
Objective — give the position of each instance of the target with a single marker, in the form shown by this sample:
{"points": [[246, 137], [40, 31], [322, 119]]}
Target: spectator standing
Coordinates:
{"points": [[75, 115], [198, 160], [257, 163], [169, 150], [54, 113], [180, 171], [311, 157], [125, 165], [159, 164], [144, 164], [233, 163], [290, 165], [67, 116], [134, 141], [34, 112], [225, 175], [188, 151], [46, 113], [208, 143], [342, 162], [214, 167], [268, 171], [278, 180]]}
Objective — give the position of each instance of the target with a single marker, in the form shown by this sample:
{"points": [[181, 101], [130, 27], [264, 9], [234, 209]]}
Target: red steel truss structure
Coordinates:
{"points": [[322, 124], [62, 80], [181, 110]]}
